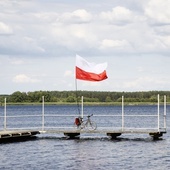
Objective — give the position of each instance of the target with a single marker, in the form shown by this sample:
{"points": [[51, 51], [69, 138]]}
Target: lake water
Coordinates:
{"points": [[91, 151]]}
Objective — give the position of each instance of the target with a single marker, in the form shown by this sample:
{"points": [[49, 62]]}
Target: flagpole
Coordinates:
{"points": [[77, 97], [82, 107]]}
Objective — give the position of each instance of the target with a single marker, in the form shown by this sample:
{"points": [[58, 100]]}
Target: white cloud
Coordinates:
{"points": [[118, 15], [17, 62], [22, 78], [17, 45], [46, 32], [78, 16], [5, 29], [137, 82], [74, 37], [107, 43], [158, 11], [57, 32], [144, 83], [47, 17]]}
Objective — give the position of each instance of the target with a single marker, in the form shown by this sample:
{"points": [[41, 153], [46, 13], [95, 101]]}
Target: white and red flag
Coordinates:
{"points": [[90, 71]]}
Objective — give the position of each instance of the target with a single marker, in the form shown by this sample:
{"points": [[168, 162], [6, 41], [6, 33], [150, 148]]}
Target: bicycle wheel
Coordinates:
{"points": [[79, 127], [91, 126]]}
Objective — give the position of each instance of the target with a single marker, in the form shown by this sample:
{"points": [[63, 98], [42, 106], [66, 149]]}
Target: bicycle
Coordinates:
{"points": [[87, 124]]}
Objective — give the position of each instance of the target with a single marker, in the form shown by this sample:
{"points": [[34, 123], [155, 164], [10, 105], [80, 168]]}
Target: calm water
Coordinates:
{"points": [[90, 152]]}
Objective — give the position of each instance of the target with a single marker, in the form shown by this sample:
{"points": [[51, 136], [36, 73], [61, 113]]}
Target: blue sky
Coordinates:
{"points": [[39, 41]]}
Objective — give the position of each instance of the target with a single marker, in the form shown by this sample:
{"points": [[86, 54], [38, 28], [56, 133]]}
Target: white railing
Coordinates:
{"points": [[122, 117]]}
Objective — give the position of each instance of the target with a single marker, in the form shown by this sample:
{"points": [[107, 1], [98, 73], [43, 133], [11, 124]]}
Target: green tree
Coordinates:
{"points": [[18, 97], [108, 99], [70, 99]]}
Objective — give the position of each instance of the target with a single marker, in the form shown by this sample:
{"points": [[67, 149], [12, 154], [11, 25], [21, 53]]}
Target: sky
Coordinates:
{"points": [[39, 41]]}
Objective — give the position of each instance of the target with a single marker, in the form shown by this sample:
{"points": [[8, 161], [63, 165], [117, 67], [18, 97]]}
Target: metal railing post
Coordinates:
{"points": [[165, 112], [42, 113], [5, 115], [158, 114], [122, 113]]}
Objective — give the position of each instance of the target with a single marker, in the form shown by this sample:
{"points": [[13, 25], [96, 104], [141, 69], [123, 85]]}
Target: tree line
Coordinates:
{"points": [[88, 96]]}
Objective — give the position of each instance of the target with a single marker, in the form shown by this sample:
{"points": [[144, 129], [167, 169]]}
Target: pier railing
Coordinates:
{"points": [[121, 121]]}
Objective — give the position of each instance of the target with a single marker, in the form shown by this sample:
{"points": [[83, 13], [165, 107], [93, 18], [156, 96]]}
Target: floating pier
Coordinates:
{"points": [[74, 133], [109, 132], [17, 134], [9, 133]]}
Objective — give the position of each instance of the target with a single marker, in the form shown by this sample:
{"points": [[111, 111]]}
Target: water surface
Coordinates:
{"points": [[90, 152]]}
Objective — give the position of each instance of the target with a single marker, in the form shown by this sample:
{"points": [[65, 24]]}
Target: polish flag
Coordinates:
{"points": [[90, 71]]}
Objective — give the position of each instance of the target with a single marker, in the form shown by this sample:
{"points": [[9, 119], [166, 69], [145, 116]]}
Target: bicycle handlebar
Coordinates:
{"points": [[90, 115]]}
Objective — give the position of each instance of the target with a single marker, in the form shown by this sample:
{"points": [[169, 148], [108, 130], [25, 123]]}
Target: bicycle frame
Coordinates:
{"points": [[87, 124]]}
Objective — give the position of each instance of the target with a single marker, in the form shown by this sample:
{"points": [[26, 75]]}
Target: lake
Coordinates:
{"points": [[91, 151]]}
